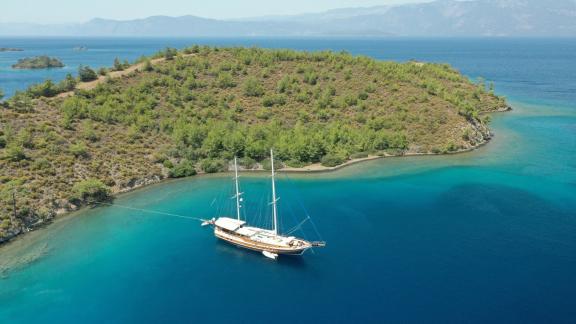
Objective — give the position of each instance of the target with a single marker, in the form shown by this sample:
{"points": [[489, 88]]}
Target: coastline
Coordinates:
{"points": [[316, 168]]}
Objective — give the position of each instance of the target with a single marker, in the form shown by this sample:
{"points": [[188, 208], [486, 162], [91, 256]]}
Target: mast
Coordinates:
{"points": [[274, 200], [237, 196]]}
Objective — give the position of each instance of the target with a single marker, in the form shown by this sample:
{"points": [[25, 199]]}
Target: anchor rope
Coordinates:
{"points": [[151, 211]]}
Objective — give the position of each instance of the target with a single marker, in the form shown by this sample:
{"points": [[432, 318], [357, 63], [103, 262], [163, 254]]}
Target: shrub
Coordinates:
{"points": [[25, 138], [89, 133], [268, 101], [347, 75], [102, 71], [86, 74], [272, 100], [253, 88], [68, 84], [118, 66], [247, 163], [350, 101], [79, 150], [90, 191], [225, 80], [332, 160], [311, 78], [170, 53], [168, 164], [45, 89], [267, 165], [148, 66], [15, 153], [263, 113], [303, 97], [183, 169], [212, 166], [40, 164]]}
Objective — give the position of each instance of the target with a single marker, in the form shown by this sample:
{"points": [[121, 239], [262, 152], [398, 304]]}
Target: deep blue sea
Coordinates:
{"points": [[482, 237]]}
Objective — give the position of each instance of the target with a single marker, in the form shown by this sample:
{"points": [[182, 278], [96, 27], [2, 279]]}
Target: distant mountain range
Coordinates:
{"points": [[536, 18]]}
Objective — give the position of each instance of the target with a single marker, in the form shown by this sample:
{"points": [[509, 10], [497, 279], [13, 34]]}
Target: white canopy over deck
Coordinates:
{"points": [[229, 224]]}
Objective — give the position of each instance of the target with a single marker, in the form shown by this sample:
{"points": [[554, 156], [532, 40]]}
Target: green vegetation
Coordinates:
{"points": [[120, 66], [169, 53], [38, 62], [49, 88], [148, 66], [79, 150], [253, 88], [332, 160], [86, 74], [183, 169], [14, 153], [90, 191], [193, 111], [102, 71]]}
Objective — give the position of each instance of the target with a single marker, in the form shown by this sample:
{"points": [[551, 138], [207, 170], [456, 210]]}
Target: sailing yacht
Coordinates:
{"points": [[268, 241]]}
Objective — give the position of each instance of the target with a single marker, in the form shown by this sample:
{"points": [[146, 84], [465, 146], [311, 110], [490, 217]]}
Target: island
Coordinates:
{"points": [[39, 62], [179, 114], [10, 49]]}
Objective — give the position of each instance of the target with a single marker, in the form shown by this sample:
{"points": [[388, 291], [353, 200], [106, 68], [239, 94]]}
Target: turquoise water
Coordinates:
{"points": [[488, 236]]}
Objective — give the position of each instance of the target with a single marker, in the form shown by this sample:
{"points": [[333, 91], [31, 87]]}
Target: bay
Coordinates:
{"points": [[486, 236]]}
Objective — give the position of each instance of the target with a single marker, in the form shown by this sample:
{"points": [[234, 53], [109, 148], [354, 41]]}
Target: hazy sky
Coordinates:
{"points": [[58, 11]]}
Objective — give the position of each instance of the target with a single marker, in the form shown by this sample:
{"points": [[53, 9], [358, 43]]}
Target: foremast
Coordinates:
{"points": [[274, 199]]}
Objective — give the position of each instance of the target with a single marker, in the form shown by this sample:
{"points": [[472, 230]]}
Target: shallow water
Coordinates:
{"points": [[487, 236]]}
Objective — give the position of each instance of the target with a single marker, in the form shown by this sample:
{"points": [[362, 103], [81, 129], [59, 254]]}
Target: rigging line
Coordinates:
{"points": [[151, 211], [297, 227], [301, 203]]}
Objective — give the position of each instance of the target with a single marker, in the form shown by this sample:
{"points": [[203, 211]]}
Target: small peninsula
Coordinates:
{"points": [[39, 62], [10, 49], [178, 114]]}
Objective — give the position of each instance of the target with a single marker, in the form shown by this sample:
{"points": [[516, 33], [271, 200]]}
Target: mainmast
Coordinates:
{"points": [[237, 196], [274, 200]]}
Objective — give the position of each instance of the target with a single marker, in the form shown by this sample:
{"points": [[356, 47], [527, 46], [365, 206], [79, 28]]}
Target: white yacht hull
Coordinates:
{"points": [[247, 243]]}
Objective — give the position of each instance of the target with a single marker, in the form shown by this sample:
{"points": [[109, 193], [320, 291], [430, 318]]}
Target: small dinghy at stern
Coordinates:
{"points": [[270, 255]]}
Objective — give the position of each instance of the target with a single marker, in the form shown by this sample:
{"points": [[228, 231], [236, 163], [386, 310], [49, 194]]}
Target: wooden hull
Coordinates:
{"points": [[257, 246]]}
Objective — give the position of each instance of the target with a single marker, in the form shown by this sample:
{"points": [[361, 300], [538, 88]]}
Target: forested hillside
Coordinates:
{"points": [[192, 111]]}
